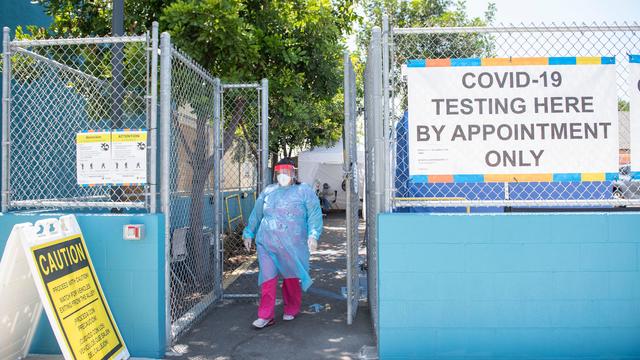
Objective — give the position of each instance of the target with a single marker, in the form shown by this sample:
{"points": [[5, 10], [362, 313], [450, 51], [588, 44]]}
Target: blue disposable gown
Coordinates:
{"points": [[284, 217]]}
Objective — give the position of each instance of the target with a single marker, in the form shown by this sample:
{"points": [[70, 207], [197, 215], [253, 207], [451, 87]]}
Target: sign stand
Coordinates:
{"points": [[52, 255]]}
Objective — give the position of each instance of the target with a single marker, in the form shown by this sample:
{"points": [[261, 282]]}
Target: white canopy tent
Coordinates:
{"points": [[323, 165]]}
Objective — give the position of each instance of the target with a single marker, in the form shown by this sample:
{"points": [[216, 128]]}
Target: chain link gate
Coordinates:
{"points": [[353, 199], [373, 116], [54, 89], [243, 171], [189, 113]]}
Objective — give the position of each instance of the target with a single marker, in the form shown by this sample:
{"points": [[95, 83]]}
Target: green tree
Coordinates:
{"points": [[73, 18], [424, 13], [419, 13], [297, 45]]}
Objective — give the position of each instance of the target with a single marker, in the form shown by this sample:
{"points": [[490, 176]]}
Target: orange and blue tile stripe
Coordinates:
{"points": [[494, 178], [511, 61], [113, 184]]}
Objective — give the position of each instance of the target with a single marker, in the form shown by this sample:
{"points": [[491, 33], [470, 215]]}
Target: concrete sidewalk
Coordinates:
{"points": [[226, 331]]}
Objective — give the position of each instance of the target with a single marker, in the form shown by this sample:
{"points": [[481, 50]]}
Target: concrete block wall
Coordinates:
{"points": [[131, 274], [509, 286]]}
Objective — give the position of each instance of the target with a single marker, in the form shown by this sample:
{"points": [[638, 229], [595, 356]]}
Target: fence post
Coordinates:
{"points": [[165, 129], [6, 103], [378, 121], [264, 136], [386, 124], [153, 123], [217, 212]]}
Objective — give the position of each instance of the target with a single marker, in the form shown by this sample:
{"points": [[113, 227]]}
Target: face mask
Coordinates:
{"points": [[283, 179]]}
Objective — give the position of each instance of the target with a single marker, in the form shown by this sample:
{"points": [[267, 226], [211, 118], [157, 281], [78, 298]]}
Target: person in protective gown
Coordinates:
{"points": [[286, 223]]}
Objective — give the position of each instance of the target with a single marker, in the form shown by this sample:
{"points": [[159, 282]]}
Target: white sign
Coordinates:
{"points": [[93, 151], [54, 258], [634, 110], [111, 157], [19, 312], [129, 157], [525, 119]]}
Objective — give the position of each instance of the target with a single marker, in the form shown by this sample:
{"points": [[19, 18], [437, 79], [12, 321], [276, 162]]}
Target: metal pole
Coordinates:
{"points": [[347, 164], [221, 173], [217, 148], [386, 128], [264, 136], [165, 186], [153, 123], [117, 19], [117, 81], [378, 95], [6, 103]]}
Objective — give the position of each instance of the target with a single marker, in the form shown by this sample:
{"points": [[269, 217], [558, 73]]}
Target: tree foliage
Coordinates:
{"points": [[297, 45], [73, 18], [424, 13], [419, 13]]}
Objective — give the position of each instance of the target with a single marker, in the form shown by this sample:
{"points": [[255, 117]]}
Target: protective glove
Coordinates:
{"points": [[312, 243], [247, 244]]}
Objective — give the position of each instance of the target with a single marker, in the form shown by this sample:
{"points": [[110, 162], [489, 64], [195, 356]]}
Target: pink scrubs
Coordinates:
{"points": [[291, 295]]}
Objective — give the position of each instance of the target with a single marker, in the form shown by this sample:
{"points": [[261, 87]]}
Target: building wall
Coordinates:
{"points": [[509, 286], [131, 274]]}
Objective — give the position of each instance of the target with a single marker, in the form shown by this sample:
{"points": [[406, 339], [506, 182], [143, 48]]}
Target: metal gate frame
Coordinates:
{"points": [[350, 167], [262, 180]]}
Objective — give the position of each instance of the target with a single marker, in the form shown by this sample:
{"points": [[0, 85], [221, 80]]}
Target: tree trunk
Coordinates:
{"points": [[197, 245], [202, 165]]}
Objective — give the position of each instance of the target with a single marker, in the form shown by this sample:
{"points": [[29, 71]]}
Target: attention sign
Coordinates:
{"points": [[515, 117]]}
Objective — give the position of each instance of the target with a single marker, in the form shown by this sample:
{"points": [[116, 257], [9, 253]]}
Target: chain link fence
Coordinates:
{"points": [[389, 186], [212, 156], [57, 88], [540, 41]]}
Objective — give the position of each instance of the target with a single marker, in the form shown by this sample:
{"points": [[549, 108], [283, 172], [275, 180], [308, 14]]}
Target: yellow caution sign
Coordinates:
{"points": [[69, 289]]}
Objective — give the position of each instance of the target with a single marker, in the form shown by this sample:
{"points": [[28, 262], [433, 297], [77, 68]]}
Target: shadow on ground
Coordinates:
{"points": [[226, 331]]}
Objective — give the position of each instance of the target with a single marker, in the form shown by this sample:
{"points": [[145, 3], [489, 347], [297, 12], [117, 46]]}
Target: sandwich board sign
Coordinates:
{"points": [[47, 265]]}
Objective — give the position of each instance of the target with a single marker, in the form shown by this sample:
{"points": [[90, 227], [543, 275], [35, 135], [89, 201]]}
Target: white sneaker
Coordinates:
{"points": [[286, 317], [263, 323]]}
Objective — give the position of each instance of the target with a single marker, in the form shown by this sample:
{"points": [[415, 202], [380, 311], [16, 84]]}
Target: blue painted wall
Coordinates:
{"points": [[131, 274], [15, 13], [509, 286]]}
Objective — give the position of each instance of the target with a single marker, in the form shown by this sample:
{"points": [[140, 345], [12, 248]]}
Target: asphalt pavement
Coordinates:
{"points": [[319, 332]]}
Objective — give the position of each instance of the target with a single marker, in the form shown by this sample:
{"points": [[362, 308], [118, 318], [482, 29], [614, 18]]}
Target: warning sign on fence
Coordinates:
{"points": [[111, 157], [129, 157], [69, 289], [93, 153], [512, 116]]}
